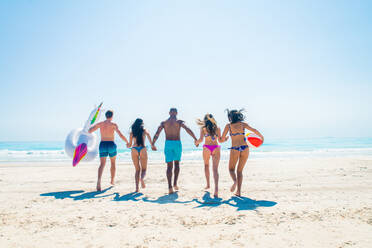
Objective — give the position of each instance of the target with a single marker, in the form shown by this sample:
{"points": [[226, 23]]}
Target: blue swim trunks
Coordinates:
{"points": [[107, 148], [172, 150]]}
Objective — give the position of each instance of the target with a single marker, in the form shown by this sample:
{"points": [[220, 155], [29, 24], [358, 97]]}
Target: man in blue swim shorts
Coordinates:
{"points": [[173, 146], [107, 147]]}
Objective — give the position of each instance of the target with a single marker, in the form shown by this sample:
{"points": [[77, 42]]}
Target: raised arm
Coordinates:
{"points": [[253, 130], [188, 130], [120, 134], [156, 136], [95, 127], [200, 140], [223, 137]]}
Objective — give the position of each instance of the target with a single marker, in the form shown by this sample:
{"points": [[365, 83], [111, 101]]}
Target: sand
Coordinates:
{"points": [[310, 202]]}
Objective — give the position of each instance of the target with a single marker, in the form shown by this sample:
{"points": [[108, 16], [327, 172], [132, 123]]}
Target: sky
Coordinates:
{"points": [[300, 69]]}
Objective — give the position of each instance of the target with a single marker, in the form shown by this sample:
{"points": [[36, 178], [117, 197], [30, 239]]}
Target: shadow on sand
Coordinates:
{"points": [[240, 203], [128, 197], [245, 203], [208, 201], [166, 199], [63, 194], [72, 194]]}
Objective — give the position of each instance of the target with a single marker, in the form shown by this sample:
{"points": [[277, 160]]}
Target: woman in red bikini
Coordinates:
{"points": [[239, 151], [212, 134]]}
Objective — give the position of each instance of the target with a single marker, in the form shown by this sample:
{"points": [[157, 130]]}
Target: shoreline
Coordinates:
{"points": [[192, 161], [276, 148]]}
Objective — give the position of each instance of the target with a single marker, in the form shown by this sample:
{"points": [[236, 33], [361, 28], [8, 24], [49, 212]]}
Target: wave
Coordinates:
{"points": [[7, 155]]}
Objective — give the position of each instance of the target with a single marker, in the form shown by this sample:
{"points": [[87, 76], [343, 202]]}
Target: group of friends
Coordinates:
{"points": [[209, 132]]}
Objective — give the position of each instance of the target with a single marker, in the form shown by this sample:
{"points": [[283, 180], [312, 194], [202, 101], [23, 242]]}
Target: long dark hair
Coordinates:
{"points": [[209, 123], [137, 131], [235, 116]]}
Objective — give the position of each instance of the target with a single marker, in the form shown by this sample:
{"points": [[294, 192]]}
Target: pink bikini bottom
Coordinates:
{"points": [[211, 148]]}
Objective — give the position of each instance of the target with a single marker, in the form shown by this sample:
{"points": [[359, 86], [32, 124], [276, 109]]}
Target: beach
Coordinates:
{"points": [[286, 83], [287, 202]]}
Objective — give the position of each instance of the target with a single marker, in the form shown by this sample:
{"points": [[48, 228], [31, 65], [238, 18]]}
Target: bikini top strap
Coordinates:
{"points": [[208, 135], [237, 133]]}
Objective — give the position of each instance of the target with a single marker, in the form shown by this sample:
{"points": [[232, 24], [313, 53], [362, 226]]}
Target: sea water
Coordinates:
{"points": [[53, 151]]}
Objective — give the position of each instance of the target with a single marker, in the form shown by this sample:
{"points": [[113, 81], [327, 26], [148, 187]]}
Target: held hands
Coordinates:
{"points": [[196, 142], [223, 139], [153, 147], [128, 145]]}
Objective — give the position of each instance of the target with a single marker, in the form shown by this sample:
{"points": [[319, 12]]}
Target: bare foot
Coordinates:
{"points": [[207, 187], [98, 187], [238, 194], [171, 191], [232, 189], [175, 187], [112, 182], [143, 185], [137, 190], [215, 194]]}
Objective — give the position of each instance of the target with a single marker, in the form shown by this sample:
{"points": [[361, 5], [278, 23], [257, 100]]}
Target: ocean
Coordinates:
{"points": [[53, 151]]}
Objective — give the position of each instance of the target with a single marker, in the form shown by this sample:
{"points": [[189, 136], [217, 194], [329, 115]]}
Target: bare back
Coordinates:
{"points": [[134, 139], [172, 129], [107, 130], [237, 133], [210, 140]]}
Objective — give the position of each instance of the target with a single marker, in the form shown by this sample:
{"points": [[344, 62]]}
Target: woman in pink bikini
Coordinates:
{"points": [[239, 151], [211, 133]]}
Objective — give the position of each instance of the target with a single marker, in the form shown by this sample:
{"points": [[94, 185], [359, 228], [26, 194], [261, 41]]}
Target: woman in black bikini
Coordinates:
{"points": [[239, 151], [139, 151]]}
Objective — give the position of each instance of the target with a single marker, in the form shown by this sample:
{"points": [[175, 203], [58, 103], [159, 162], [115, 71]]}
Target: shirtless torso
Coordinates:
{"points": [[107, 129], [172, 129]]}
